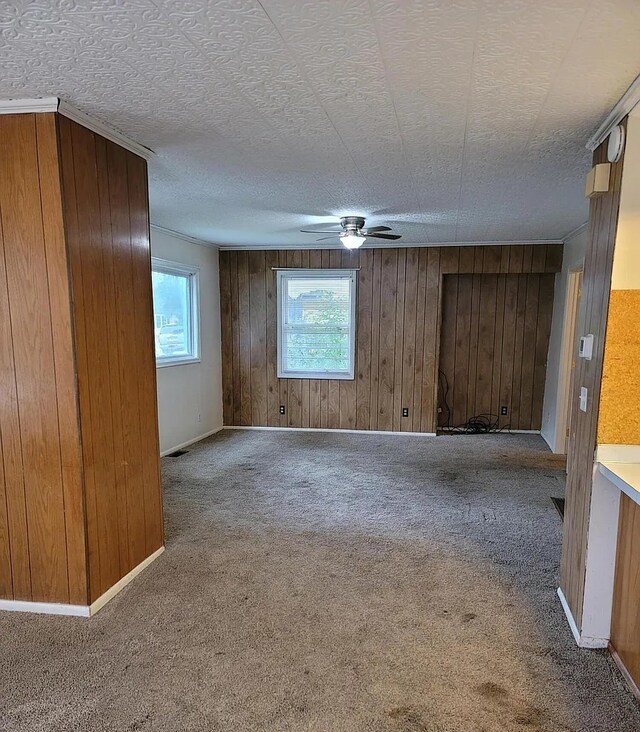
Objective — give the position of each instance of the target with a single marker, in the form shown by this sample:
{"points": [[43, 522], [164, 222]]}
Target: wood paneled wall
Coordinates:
{"points": [[493, 347], [625, 620], [79, 480], [397, 334], [42, 546], [105, 201], [596, 283]]}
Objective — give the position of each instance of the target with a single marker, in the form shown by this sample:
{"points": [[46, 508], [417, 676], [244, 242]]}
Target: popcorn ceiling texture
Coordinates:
{"points": [[331, 583], [454, 121]]}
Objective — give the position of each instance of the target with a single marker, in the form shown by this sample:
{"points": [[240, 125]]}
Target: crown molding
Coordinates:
{"points": [[184, 237], [86, 120], [624, 106], [29, 106], [394, 245], [54, 104], [574, 232]]}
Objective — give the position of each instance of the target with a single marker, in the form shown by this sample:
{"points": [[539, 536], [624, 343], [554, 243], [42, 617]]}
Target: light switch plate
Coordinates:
{"points": [[586, 347], [583, 398]]}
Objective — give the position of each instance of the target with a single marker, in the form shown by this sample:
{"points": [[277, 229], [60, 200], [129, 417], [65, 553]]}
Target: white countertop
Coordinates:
{"points": [[625, 476]]}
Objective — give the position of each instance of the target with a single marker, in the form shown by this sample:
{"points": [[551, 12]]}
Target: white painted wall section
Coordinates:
{"points": [[190, 395], [574, 251]]}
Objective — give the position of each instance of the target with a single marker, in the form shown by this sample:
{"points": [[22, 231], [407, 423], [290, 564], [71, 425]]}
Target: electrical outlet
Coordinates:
{"points": [[504, 410], [282, 409], [405, 411]]}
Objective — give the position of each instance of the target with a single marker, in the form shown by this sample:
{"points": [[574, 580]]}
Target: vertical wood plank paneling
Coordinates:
{"points": [[118, 183], [375, 337], [603, 218], [502, 367], [387, 338], [143, 354], [410, 306], [273, 389], [17, 581], [625, 621], [363, 351], [26, 280], [398, 350], [258, 337], [114, 349], [398, 327], [244, 324], [226, 341], [431, 347]]}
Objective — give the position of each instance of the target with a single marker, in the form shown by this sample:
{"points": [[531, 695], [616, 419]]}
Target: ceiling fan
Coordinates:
{"points": [[353, 234]]}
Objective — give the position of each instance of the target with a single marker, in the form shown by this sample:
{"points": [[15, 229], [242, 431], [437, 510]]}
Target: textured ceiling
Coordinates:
{"points": [[451, 120]]}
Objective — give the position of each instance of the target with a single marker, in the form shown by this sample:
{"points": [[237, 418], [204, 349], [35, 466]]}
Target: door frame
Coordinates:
{"points": [[568, 355]]}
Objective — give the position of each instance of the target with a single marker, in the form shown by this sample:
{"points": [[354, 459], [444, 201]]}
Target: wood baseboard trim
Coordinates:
{"points": [[121, 584], [79, 611], [327, 429], [204, 436], [633, 687]]}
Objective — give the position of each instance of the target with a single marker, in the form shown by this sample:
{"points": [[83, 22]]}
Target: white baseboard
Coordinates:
{"points": [[81, 611], [120, 584], [164, 453], [45, 608], [495, 432], [327, 429], [581, 640]]}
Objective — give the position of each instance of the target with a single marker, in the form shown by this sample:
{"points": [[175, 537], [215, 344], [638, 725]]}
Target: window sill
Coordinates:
{"points": [[176, 362], [316, 376]]}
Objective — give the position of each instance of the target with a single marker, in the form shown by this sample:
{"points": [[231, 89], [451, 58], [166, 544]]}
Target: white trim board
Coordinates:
{"points": [[581, 640], [624, 106], [54, 104], [166, 452], [184, 237], [394, 245], [327, 429], [81, 611]]}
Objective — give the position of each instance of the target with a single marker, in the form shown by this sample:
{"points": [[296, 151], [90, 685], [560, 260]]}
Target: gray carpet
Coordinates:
{"points": [[327, 583]]}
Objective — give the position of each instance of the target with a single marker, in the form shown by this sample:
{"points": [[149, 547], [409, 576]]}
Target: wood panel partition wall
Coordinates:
{"points": [[596, 283], [493, 348], [397, 334], [80, 502]]}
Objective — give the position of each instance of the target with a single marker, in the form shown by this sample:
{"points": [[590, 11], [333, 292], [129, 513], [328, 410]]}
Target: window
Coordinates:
{"points": [[175, 312], [316, 323]]}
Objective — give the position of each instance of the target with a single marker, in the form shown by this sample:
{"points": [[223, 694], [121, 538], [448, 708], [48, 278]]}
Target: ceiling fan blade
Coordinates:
{"points": [[321, 231], [376, 228], [324, 238], [393, 237]]}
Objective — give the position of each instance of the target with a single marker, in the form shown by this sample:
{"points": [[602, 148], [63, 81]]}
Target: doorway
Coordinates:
{"points": [[568, 361]]}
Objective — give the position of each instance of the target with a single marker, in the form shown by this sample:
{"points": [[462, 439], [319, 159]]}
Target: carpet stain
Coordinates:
{"points": [[468, 617], [491, 690], [410, 719]]}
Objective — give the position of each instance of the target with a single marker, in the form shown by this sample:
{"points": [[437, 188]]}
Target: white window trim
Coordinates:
{"points": [[316, 274], [166, 266]]}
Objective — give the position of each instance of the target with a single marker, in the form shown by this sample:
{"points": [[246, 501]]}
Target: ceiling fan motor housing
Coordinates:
{"points": [[352, 224]]}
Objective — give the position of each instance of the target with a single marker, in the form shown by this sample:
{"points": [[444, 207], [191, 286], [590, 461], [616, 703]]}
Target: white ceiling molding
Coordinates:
{"points": [[107, 131], [625, 106], [574, 232], [28, 106], [54, 104], [184, 237], [383, 245]]}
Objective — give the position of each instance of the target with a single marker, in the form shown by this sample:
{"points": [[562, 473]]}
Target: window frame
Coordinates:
{"points": [[192, 273], [295, 274]]}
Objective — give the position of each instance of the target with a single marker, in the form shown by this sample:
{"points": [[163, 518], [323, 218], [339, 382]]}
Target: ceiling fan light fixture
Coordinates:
{"points": [[352, 241]]}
